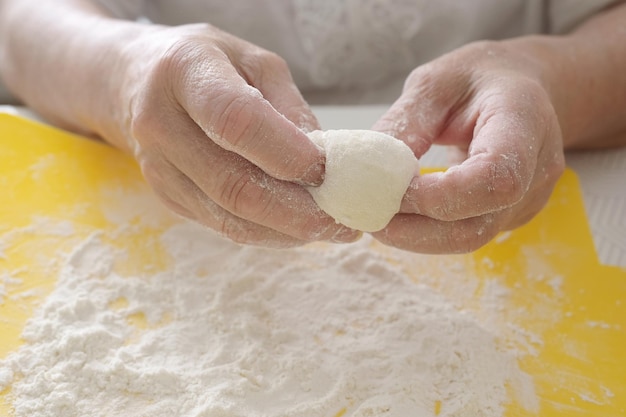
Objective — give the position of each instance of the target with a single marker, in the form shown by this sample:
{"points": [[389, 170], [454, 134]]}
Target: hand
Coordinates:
{"points": [[491, 102], [215, 123]]}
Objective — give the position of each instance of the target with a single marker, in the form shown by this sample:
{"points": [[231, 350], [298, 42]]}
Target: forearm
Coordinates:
{"points": [[585, 73], [58, 57]]}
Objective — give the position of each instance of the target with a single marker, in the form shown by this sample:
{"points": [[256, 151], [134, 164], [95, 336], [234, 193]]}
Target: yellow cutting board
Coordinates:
{"points": [[575, 307]]}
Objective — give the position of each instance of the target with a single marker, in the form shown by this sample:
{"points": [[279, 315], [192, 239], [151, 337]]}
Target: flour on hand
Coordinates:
{"points": [[367, 174]]}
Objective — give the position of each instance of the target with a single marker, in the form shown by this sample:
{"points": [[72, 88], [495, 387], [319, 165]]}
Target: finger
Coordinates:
{"points": [[244, 190], [183, 197], [238, 118], [552, 165], [271, 76], [419, 116], [426, 235], [423, 234], [528, 209], [497, 173]]}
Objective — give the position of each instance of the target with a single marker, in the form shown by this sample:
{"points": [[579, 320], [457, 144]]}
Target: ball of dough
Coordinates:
{"points": [[367, 174]]}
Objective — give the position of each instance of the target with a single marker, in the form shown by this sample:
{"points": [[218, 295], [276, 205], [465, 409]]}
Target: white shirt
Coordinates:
{"points": [[360, 51]]}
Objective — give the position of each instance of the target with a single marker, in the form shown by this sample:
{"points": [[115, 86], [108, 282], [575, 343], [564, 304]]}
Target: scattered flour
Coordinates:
{"points": [[319, 331], [43, 229], [7, 279]]}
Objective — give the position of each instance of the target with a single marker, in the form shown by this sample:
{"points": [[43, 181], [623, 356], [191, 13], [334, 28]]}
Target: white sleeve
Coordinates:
{"points": [[564, 15], [123, 9]]}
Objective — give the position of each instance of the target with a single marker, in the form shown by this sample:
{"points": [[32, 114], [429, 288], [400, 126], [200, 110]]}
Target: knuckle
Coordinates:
{"points": [[251, 198], [176, 64], [273, 62], [233, 191], [312, 230], [181, 56], [153, 173], [525, 217], [175, 68], [146, 137], [242, 232], [484, 49], [505, 183], [145, 120], [142, 122], [235, 122], [218, 218], [234, 230], [156, 92], [262, 64], [437, 79], [174, 205], [422, 80], [261, 209], [241, 195]]}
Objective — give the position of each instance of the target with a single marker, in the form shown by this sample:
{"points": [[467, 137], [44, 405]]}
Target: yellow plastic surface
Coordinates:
{"points": [[574, 306]]}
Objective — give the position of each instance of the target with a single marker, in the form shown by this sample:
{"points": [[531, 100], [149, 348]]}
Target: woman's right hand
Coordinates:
{"points": [[218, 128]]}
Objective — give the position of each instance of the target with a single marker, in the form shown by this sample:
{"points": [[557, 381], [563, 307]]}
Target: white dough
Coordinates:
{"points": [[367, 174]]}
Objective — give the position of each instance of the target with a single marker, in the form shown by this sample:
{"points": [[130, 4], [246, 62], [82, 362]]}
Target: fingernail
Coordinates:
{"points": [[314, 176], [346, 235]]}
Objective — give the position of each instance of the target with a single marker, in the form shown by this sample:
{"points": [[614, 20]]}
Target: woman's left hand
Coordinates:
{"points": [[491, 102]]}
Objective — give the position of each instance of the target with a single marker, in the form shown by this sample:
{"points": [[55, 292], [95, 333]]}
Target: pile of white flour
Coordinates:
{"points": [[320, 331]]}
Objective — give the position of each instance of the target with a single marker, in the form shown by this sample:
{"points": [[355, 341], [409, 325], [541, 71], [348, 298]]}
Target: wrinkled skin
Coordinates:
{"points": [[217, 126], [216, 123], [490, 104]]}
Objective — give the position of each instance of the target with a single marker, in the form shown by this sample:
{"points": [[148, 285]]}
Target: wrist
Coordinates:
{"points": [[550, 61], [72, 80], [118, 71], [583, 73]]}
